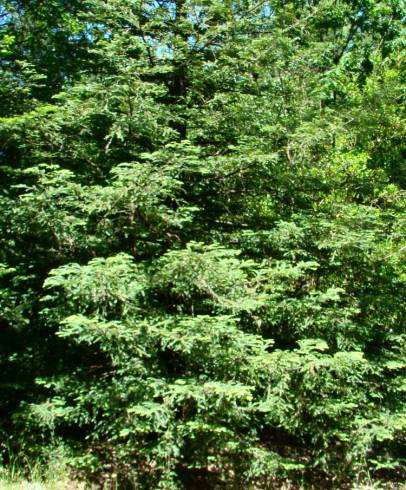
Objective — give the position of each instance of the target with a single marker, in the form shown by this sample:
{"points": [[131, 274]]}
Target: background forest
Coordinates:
{"points": [[203, 241]]}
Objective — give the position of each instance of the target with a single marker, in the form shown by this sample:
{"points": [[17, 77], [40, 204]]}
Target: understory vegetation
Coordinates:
{"points": [[203, 243]]}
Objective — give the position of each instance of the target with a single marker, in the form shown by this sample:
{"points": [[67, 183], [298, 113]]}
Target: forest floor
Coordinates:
{"points": [[24, 485], [69, 485]]}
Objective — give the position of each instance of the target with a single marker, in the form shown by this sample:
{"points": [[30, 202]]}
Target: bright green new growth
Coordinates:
{"points": [[202, 226]]}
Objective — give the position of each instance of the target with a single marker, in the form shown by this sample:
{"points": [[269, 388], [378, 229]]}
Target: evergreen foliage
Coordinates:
{"points": [[203, 240]]}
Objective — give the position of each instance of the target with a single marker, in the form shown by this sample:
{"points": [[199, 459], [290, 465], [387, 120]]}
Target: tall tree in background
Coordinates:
{"points": [[202, 239]]}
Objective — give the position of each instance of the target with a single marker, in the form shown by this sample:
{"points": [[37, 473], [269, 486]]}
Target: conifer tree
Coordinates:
{"points": [[202, 240]]}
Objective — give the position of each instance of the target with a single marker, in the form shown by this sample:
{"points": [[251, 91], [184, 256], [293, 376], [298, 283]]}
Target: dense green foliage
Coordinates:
{"points": [[203, 240]]}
